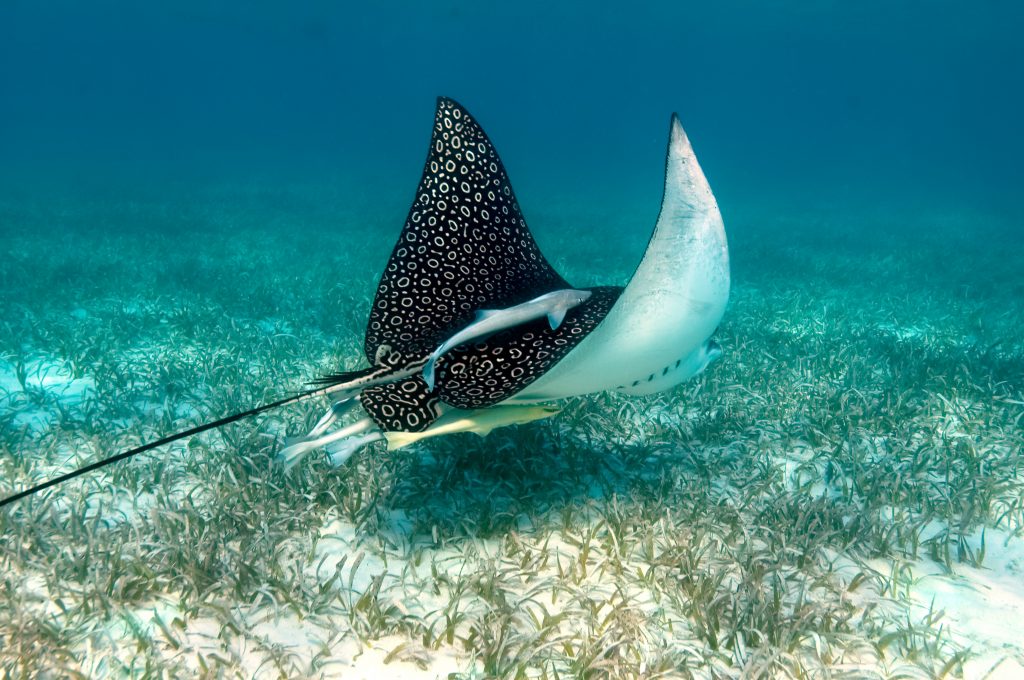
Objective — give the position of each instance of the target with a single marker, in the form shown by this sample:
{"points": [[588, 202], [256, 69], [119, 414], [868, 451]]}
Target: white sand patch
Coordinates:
{"points": [[45, 374], [982, 609], [984, 606], [802, 470], [260, 642], [34, 389], [275, 327], [902, 332]]}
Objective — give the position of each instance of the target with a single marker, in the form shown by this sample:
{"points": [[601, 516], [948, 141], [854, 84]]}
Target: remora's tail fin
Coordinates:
{"points": [[160, 442]]}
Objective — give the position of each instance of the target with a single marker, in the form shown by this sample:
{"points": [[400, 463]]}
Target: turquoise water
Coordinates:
{"points": [[196, 202], [866, 105]]}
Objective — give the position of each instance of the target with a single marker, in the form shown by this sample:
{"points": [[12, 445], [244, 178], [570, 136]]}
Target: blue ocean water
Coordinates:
{"points": [[859, 105]]}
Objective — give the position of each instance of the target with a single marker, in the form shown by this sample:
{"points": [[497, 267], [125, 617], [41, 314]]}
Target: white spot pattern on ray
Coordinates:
{"points": [[465, 245]]}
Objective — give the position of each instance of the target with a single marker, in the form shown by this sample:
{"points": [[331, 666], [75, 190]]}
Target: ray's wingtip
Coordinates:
{"points": [[675, 126], [442, 101], [678, 141]]}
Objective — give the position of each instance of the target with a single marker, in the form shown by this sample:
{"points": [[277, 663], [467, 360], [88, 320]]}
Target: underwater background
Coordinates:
{"points": [[196, 201]]}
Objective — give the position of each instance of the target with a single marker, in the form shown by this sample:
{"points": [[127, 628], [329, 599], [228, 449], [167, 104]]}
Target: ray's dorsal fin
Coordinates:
{"points": [[465, 246]]}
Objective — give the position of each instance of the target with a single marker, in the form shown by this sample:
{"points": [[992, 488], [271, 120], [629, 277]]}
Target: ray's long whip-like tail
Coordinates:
{"points": [[160, 442], [351, 383]]}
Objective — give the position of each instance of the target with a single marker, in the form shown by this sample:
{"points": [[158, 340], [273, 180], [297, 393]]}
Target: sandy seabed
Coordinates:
{"points": [[840, 496]]}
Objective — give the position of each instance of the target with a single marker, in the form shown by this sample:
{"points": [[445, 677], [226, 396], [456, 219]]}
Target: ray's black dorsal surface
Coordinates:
{"points": [[464, 247]]}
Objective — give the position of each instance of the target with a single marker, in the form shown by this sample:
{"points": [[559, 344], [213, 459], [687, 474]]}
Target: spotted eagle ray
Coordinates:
{"points": [[464, 249]]}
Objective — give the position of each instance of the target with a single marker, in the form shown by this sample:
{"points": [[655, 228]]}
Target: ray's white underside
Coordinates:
{"points": [[656, 336]]}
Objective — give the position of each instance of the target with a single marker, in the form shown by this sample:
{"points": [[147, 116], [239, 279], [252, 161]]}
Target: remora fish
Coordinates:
{"points": [[479, 422], [489, 321]]}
